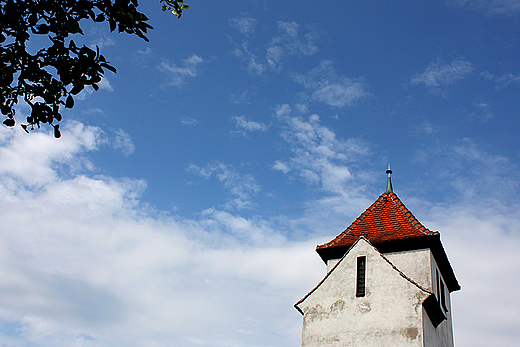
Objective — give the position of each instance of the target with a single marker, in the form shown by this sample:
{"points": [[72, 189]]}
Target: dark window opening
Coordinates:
{"points": [[443, 297], [360, 278], [441, 292]]}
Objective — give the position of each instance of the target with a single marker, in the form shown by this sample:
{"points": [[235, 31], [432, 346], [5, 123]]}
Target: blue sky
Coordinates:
{"points": [[184, 200]]}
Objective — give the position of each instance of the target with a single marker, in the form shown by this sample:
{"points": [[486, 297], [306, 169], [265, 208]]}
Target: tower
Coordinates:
{"points": [[388, 283]]}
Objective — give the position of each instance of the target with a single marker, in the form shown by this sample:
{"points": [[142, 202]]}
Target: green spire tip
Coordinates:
{"points": [[389, 188]]}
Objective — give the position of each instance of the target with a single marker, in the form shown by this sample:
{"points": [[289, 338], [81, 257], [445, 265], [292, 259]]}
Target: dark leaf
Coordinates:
{"points": [[70, 102], [109, 67], [6, 110], [77, 88], [9, 122], [57, 133]]}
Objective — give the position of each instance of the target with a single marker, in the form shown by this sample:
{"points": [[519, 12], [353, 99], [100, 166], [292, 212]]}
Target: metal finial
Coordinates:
{"points": [[389, 180]]}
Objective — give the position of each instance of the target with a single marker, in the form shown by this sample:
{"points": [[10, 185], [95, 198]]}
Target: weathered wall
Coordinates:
{"points": [[390, 314], [415, 264]]}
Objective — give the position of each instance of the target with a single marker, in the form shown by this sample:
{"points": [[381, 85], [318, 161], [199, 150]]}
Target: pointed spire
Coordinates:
{"points": [[389, 188]]}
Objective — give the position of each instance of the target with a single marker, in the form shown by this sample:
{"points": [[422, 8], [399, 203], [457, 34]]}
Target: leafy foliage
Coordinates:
{"points": [[176, 6], [48, 79]]}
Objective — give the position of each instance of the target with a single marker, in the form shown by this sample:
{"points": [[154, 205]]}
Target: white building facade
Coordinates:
{"points": [[388, 283]]}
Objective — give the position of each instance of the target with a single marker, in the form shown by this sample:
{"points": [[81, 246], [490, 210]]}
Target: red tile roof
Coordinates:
{"points": [[386, 220]]}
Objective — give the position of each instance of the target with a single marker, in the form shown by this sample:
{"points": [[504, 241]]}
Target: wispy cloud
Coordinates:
{"points": [[468, 173], [123, 141], [245, 25], [246, 126], [328, 87], [177, 75], [319, 156], [100, 39], [242, 186], [501, 81], [244, 97], [252, 64], [189, 121], [288, 42], [498, 7], [438, 75], [291, 40], [482, 112], [424, 127]]}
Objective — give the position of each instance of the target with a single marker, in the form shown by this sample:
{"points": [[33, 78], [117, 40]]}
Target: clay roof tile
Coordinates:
{"points": [[386, 220]]}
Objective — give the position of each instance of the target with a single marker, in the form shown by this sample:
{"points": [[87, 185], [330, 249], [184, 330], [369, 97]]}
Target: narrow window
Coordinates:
{"points": [[443, 297], [360, 278], [441, 292], [438, 286]]}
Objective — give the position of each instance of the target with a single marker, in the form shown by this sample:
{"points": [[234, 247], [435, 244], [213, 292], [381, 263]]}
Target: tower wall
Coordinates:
{"points": [[442, 335], [389, 314], [415, 264]]}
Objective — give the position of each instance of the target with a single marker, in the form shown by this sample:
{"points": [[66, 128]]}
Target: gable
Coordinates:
{"points": [[340, 282]]}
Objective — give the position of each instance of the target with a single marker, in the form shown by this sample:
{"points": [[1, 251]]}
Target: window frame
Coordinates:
{"points": [[361, 270]]}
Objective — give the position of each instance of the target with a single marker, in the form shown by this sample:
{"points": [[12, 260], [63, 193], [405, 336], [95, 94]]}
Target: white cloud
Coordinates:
{"points": [[290, 38], [501, 81], [252, 64], [247, 126], [177, 75], [243, 187], [102, 41], [245, 25], [322, 160], [274, 57], [424, 127], [288, 42], [189, 121], [437, 75], [326, 86], [481, 112], [34, 159], [123, 141], [507, 79], [482, 242], [244, 97], [83, 262], [498, 7], [280, 166]]}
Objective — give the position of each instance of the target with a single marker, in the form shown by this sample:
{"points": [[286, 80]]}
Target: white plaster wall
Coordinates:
{"points": [[389, 315], [331, 263], [415, 264]]}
